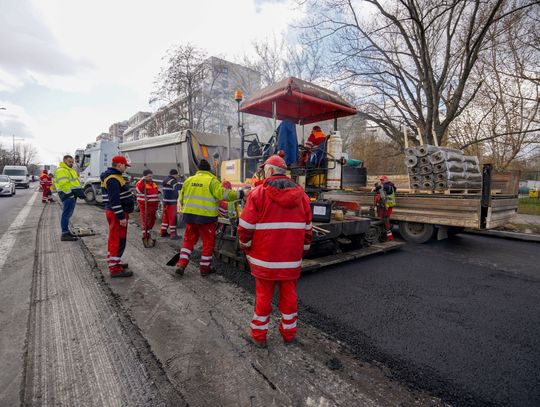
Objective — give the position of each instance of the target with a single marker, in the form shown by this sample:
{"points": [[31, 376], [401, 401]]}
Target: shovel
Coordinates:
{"points": [[174, 260]]}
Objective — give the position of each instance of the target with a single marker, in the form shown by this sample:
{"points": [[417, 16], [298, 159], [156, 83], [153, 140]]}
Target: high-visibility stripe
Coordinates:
{"points": [[288, 326], [115, 258], [261, 327], [225, 193], [206, 257], [247, 244], [280, 225], [167, 189], [204, 263], [61, 178], [192, 205], [259, 318], [308, 226], [116, 206], [170, 200], [184, 256], [274, 264], [289, 316], [183, 249], [200, 198], [246, 225]]}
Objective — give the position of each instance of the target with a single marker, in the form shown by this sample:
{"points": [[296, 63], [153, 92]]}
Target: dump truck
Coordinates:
{"points": [[181, 150]]}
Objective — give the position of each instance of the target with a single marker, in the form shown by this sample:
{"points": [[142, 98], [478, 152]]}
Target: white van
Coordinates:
{"points": [[19, 174]]}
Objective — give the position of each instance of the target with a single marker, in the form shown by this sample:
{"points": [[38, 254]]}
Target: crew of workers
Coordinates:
{"points": [[274, 228]]}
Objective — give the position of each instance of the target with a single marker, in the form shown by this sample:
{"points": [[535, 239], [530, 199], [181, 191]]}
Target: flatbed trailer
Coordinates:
{"points": [[423, 216]]}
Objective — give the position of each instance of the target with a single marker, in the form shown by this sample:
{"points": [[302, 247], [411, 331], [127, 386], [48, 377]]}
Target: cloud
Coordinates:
{"points": [[29, 47], [14, 120]]}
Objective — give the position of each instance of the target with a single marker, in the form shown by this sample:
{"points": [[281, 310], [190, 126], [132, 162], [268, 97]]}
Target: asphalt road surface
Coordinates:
{"points": [[11, 205], [459, 317]]}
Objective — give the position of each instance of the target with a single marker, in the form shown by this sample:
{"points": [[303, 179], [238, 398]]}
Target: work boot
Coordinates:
{"points": [[123, 273], [163, 234], [67, 237], [180, 270], [176, 237], [253, 341], [291, 342], [124, 265], [207, 272]]}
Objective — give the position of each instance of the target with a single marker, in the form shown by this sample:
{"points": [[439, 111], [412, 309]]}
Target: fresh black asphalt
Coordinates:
{"points": [[459, 318]]}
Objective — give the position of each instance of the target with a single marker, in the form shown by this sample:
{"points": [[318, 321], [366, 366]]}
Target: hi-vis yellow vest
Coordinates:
{"points": [[201, 194], [66, 179]]}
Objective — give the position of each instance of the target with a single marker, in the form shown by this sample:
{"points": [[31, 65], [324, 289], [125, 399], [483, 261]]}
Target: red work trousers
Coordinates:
{"points": [[148, 212], [116, 243], [207, 233], [288, 307], [46, 194], [384, 214], [168, 220]]}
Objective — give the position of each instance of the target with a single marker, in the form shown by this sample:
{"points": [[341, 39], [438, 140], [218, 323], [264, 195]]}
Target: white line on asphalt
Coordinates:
{"points": [[10, 236]]}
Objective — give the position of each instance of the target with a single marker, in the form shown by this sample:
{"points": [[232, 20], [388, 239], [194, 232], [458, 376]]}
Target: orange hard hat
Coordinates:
{"points": [[275, 160]]}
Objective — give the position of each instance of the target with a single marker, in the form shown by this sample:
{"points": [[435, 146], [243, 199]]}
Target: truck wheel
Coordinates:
{"points": [[417, 232], [90, 194]]}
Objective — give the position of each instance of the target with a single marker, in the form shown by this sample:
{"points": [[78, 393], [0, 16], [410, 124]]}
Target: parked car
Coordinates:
{"points": [[7, 186]]}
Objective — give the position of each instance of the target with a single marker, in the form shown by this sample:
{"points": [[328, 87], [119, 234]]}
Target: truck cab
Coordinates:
{"points": [[19, 174], [90, 163]]}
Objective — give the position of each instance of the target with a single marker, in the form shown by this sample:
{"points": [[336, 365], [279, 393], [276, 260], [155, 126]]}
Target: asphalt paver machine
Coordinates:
{"points": [[340, 233]]}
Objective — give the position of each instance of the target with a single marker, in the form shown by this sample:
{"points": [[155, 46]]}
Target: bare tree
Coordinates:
{"points": [[185, 83], [409, 62], [503, 122]]}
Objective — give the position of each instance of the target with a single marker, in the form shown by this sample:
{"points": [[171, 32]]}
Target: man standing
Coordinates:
{"points": [[385, 200], [45, 183], [66, 182], [148, 201], [119, 203], [199, 199], [171, 186], [275, 231]]}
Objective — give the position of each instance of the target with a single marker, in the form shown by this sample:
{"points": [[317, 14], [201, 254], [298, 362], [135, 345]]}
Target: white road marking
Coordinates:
{"points": [[7, 241]]}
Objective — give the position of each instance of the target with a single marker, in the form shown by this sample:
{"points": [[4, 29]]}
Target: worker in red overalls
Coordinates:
{"points": [[171, 185], [385, 200], [45, 183], [275, 232], [148, 201]]}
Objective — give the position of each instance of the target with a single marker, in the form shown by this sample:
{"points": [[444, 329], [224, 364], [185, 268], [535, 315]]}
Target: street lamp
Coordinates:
{"points": [[13, 150]]}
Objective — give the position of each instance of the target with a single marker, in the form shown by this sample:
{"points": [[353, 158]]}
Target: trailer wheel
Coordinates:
{"points": [[417, 232], [89, 194]]}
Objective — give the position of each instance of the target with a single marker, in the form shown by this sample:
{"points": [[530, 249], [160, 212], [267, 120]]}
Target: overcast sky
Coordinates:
{"points": [[71, 68]]}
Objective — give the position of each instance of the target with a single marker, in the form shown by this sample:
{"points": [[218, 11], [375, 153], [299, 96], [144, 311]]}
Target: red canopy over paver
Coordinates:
{"points": [[298, 100]]}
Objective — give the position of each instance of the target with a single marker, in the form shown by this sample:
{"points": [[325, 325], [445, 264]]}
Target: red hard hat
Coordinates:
{"points": [[383, 178], [45, 172], [120, 159], [275, 160]]}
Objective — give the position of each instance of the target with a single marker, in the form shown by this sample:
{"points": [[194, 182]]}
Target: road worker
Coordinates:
{"points": [[45, 184], [316, 146], [171, 186], [66, 182], [118, 201], [275, 232], [198, 201], [385, 200], [148, 201]]}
